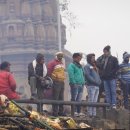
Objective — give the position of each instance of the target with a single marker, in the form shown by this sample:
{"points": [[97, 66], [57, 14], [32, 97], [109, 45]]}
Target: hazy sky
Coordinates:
{"points": [[101, 22]]}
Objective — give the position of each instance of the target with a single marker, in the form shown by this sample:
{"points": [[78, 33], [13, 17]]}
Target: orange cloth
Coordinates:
{"points": [[8, 85]]}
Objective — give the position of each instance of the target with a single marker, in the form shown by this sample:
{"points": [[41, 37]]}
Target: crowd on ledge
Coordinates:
{"points": [[103, 71]]}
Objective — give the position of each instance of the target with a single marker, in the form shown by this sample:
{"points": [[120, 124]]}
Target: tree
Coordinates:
{"points": [[68, 17]]}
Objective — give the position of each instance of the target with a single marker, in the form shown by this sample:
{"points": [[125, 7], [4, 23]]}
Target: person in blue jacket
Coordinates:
{"points": [[92, 81]]}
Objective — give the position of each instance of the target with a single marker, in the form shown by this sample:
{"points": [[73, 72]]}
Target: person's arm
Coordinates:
{"points": [[88, 76], [100, 62], [119, 72], [119, 75], [31, 70], [50, 68], [12, 82], [71, 74], [116, 67]]}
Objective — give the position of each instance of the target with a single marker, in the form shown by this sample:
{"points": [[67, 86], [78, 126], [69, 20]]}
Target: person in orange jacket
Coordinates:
{"points": [[7, 81]]}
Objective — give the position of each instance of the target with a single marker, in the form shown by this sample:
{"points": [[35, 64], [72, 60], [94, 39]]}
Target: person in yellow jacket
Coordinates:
{"points": [[56, 70]]}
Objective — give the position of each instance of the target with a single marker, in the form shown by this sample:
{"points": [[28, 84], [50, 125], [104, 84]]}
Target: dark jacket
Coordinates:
{"points": [[38, 71], [108, 72], [91, 76]]}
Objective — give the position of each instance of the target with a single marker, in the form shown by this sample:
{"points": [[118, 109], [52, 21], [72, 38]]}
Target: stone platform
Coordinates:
{"points": [[116, 119]]}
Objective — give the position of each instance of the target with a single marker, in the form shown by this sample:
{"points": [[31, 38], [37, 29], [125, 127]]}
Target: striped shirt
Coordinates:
{"points": [[124, 72]]}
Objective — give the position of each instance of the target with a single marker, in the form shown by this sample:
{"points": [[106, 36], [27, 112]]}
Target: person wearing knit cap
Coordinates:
{"points": [[56, 70], [124, 77], [107, 48], [37, 70], [108, 67]]}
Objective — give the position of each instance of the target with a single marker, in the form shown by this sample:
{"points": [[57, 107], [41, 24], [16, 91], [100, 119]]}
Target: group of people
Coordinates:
{"points": [[110, 71], [105, 70], [38, 72]]}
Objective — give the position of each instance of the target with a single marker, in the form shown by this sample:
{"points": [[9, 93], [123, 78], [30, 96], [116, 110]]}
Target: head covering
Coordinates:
{"points": [[107, 48], [126, 55], [39, 57], [59, 53]]}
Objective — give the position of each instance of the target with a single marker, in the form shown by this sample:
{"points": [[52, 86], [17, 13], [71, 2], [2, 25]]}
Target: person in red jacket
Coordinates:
{"points": [[56, 70], [7, 81]]}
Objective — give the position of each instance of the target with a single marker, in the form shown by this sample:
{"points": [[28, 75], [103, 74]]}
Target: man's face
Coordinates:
{"points": [[59, 57], [41, 61], [78, 59], [127, 59], [106, 53], [93, 59]]}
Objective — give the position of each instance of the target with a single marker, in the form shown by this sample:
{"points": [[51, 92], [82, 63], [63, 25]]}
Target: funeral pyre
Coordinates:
{"points": [[15, 117]]}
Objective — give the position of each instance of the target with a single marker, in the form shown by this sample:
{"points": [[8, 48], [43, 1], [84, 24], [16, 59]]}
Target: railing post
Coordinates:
{"points": [[72, 110], [39, 107], [104, 112]]}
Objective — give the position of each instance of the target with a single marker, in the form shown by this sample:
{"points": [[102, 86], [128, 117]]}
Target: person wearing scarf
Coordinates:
{"points": [[93, 82], [36, 71], [76, 80], [56, 70], [108, 67]]}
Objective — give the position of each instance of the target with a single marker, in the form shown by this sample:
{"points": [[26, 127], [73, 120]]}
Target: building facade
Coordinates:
{"points": [[28, 27]]}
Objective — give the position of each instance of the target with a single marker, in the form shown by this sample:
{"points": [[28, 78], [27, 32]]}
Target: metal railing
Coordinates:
{"points": [[40, 103]]}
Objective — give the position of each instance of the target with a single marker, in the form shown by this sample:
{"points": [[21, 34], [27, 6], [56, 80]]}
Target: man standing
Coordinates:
{"points": [[36, 71], [108, 66], [124, 77], [76, 80], [93, 82], [56, 70]]}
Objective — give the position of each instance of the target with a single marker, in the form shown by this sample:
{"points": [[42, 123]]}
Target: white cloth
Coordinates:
{"points": [[44, 68], [59, 53]]}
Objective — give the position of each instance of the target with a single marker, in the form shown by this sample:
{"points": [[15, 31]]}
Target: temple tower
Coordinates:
{"points": [[26, 28]]}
